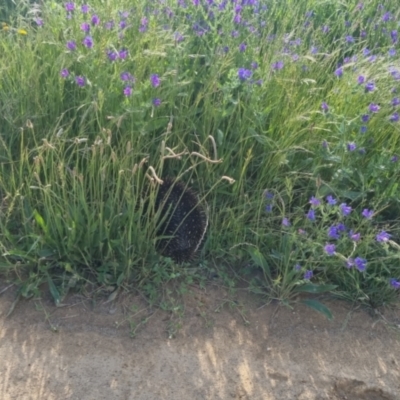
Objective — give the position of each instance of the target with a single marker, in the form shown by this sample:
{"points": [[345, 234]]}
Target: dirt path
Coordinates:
{"points": [[83, 352]]}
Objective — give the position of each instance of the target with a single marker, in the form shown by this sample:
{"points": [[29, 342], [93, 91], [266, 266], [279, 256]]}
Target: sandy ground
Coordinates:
{"points": [[206, 345]]}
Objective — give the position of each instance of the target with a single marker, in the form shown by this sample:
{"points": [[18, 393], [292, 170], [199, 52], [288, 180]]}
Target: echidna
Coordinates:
{"points": [[183, 221]]}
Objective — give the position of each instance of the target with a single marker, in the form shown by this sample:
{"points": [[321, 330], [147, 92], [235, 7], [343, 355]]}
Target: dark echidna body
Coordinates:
{"points": [[184, 221]]}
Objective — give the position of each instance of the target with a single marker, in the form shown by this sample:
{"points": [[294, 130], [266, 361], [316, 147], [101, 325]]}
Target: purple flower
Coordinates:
{"points": [[365, 117], [339, 72], [395, 283], [85, 8], [242, 47], [64, 73], [395, 101], [128, 91], [330, 200], [71, 45], [268, 208], [155, 80], [394, 117], [70, 6], [394, 158], [325, 29], [350, 263], [254, 65], [285, 222], [297, 267], [363, 129], [127, 76], [361, 79], [85, 27], [386, 17], [308, 275], [360, 263], [311, 215], [345, 209], [367, 213], [123, 54], [351, 146], [277, 65], [349, 39], [156, 102], [315, 202], [382, 236], [341, 227], [392, 52], [366, 52], [355, 237], [123, 24], [112, 55], [324, 144], [324, 106], [330, 249], [373, 107], [394, 36], [39, 21], [269, 195], [244, 74], [369, 87], [80, 81], [95, 20], [333, 232], [314, 50], [88, 42]]}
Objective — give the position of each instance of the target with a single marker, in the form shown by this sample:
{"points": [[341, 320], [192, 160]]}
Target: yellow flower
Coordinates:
{"points": [[22, 31], [4, 26]]}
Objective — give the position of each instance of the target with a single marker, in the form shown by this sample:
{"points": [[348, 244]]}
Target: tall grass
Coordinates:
{"points": [[237, 112]]}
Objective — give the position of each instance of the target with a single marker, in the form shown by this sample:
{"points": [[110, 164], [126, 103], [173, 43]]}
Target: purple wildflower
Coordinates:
{"points": [[395, 101], [71, 45], [374, 107], [254, 65], [325, 29], [277, 65], [349, 39], [244, 74], [370, 86], [355, 237], [85, 27], [268, 208], [311, 214], [330, 200], [361, 79], [155, 80], [80, 81], [363, 129], [88, 42], [112, 55], [392, 52], [85, 8], [350, 262], [351, 146], [69, 6], [395, 283], [324, 106], [285, 222], [109, 25], [314, 201], [128, 91], [345, 209], [308, 275], [64, 73], [365, 117], [367, 213], [330, 249], [123, 54], [333, 232], [242, 47], [156, 102], [297, 267], [394, 117], [382, 236], [394, 158], [339, 72], [127, 76], [95, 19], [39, 21], [360, 263]]}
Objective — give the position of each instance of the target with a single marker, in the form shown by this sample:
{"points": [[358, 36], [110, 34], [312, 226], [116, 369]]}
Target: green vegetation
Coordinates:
{"points": [[265, 108]]}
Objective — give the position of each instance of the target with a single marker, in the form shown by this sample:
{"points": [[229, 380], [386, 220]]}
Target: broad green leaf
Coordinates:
{"points": [[260, 260], [53, 290], [317, 306], [313, 288], [40, 221]]}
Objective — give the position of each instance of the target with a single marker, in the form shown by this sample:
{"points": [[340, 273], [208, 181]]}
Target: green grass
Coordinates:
{"points": [[78, 164]]}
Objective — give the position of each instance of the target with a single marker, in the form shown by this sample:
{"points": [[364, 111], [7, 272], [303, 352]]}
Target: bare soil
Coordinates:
{"points": [[207, 344]]}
